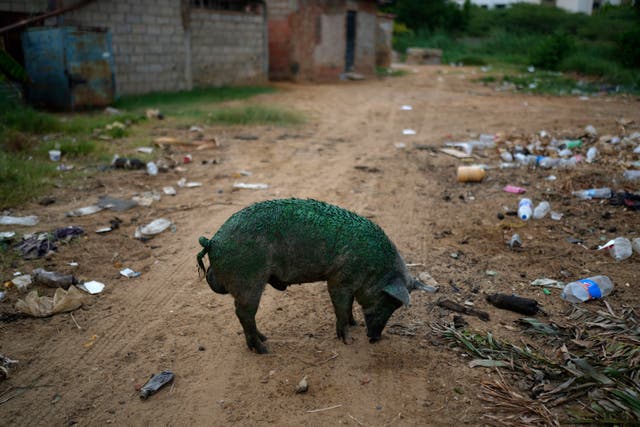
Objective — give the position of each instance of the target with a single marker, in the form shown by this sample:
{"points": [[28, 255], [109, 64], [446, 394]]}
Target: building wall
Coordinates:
{"points": [[227, 47], [25, 6], [582, 6], [154, 48], [307, 38]]}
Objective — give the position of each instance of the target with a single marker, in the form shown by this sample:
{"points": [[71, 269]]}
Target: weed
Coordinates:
{"points": [[165, 100], [390, 72], [550, 52], [22, 178], [254, 115]]}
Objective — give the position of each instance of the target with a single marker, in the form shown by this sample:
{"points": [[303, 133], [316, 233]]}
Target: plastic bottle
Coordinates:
{"points": [[591, 154], [548, 162], [506, 156], [620, 249], [155, 383], [586, 289], [593, 193], [152, 169], [635, 243], [525, 209], [541, 210]]}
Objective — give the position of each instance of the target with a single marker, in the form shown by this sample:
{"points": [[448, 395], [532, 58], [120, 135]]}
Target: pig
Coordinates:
{"points": [[294, 241]]}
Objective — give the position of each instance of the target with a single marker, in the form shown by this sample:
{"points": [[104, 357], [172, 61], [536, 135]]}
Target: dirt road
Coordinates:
{"points": [[169, 319]]}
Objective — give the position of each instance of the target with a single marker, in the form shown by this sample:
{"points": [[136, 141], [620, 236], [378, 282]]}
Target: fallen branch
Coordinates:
{"points": [[323, 409], [454, 306]]}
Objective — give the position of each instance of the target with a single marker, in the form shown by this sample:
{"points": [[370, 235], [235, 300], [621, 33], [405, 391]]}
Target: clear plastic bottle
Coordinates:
{"points": [[525, 209], [586, 289], [593, 193], [548, 162], [591, 154], [621, 249], [541, 210]]}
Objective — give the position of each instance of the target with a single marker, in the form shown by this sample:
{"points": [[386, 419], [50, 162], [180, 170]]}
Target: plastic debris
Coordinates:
{"points": [[515, 241], [22, 282], [5, 365], [182, 183], [631, 175], [593, 193], [54, 155], [587, 289], [156, 226], [92, 287], [619, 248], [303, 385], [19, 220], [154, 113], [169, 191], [247, 186], [87, 210], [147, 198], [118, 205], [408, 132], [470, 174], [548, 283], [62, 301], [125, 163], [514, 190], [556, 216], [541, 210], [156, 383], [36, 246], [145, 150], [152, 169], [406, 108], [127, 272], [196, 129], [53, 279]]}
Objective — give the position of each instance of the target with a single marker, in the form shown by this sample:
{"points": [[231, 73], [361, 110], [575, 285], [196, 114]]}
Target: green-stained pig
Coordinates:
{"points": [[293, 241]]}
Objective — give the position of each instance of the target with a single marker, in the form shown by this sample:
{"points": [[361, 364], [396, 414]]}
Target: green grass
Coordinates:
{"points": [[23, 177], [254, 115], [390, 72], [26, 171], [173, 100]]}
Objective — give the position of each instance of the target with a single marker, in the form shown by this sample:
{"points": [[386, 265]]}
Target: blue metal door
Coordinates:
{"points": [[44, 61], [89, 68], [69, 68]]}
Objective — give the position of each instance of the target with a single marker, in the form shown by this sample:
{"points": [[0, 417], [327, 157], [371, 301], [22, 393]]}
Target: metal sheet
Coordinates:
{"points": [[69, 68]]}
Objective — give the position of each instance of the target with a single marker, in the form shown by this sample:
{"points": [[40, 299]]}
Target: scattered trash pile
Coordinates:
{"points": [[594, 373]]}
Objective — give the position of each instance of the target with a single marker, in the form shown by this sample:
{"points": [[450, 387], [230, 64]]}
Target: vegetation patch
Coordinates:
{"points": [[254, 115]]}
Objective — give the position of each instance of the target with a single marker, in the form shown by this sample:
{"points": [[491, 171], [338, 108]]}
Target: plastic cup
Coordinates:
{"points": [[54, 155]]}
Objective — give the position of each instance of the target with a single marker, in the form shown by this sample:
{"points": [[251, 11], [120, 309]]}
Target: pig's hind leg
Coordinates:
{"points": [[246, 309]]}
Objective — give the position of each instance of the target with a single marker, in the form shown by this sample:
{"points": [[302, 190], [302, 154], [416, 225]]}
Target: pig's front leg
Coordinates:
{"points": [[342, 300]]}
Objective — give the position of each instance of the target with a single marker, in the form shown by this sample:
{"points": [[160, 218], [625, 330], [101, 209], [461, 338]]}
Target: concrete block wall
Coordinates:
{"points": [[227, 47], [147, 39], [23, 6]]}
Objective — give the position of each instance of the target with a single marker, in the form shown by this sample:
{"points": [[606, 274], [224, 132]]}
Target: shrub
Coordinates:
{"points": [[628, 46], [550, 52]]}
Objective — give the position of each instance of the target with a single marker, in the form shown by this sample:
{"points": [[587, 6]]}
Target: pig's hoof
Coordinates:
{"points": [[353, 322], [374, 339], [262, 337], [348, 340], [260, 348]]}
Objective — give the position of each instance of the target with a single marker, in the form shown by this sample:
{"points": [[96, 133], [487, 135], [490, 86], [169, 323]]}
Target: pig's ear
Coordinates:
{"points": [[399, 291]]}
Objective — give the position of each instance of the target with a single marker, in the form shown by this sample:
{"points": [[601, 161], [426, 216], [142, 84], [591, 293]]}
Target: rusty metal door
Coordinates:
{"points": [[89, 68]]}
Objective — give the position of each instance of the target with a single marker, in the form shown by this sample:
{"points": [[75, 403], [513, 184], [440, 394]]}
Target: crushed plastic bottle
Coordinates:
{"points": [[19, 220], [619, 248], [591, 154], [541, 210], [525, 209], [593, 193], [156, 382], [582, 290]]}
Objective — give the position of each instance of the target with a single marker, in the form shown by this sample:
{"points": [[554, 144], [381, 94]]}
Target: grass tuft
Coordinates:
{"points": [[254, 115]]}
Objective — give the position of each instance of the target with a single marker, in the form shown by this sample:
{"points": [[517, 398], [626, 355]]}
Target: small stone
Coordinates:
{"points": [[303, 385], [201, 348]]}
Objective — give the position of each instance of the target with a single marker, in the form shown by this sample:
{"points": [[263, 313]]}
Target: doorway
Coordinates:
{"points": [[350, 52]]}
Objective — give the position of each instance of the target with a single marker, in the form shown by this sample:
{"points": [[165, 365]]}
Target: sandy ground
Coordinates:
{"points": [[169, 318]]}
